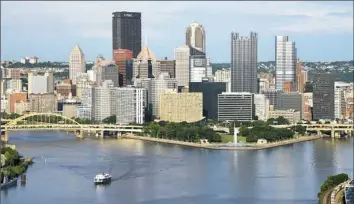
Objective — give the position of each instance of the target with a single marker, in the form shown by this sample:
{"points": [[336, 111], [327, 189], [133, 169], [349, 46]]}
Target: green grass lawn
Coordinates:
{"points": [[230, 138]]}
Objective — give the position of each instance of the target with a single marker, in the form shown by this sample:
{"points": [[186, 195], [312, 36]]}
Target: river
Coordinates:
{"points": [[148, 172]]}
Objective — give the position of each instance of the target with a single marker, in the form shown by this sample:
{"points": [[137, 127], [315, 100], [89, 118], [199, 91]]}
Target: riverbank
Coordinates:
{"points": [[219, 147]]}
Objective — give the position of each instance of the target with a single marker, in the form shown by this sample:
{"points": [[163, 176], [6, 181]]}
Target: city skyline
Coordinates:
{"points": [[309, 24]]}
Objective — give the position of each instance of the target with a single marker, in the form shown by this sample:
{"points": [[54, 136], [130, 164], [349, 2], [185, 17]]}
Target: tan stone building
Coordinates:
{"points": [[291, 115], [179, 107], [43, 103], [70, 110]]}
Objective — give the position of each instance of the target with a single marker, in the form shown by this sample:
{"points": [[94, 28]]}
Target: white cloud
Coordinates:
{"points": [[93, 19]]}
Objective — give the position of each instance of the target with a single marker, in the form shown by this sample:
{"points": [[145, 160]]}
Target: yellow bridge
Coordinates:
{"points": [[53, 121]]}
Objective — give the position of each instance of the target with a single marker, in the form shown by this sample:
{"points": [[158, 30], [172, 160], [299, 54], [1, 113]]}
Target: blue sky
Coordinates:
{"points": [[323, 31]]}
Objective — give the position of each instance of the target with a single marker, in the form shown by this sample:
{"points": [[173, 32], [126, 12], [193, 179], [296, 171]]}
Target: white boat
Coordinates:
{"points": [[102, 178]]}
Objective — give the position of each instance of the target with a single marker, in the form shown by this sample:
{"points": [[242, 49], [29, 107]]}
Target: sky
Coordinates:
{"points": [[322, 31]]}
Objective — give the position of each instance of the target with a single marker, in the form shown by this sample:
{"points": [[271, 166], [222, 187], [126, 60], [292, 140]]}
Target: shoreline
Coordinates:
{"points": [[216, 147]]}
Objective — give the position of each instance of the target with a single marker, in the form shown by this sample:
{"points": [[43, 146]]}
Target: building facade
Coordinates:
{"points": [[210, 91], [101, 101], [223, 75], [291, 100], [131, 106], [261, 105], [244, 63], [272, 95], [40, 83], [168, 66], [145, 65], [120, 57], [285, 62], [195, 37], [182, 58], [42, 103], [179, 107], [291, 115], [77, 64], [323, 97], [339, 99], [126, 31], [236, 106]]}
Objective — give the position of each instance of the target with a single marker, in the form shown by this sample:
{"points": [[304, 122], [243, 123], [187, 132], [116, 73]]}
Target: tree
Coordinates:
{"points": [[110, 120]]}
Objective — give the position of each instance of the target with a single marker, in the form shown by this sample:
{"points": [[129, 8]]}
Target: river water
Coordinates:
{"points": [[147, 172]]}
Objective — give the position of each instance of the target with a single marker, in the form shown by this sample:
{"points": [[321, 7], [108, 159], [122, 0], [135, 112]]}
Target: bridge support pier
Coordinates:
{"points": [[319, 133], [6, 136], [119, 134], [80, 134], [332, 133], [102, 134]]}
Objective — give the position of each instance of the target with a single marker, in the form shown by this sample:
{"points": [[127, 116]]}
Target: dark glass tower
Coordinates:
{"points": [[323, 96], [126, 27]]}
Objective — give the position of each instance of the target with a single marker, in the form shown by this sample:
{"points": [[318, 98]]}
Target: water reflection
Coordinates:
{"points": [[148, 172]]}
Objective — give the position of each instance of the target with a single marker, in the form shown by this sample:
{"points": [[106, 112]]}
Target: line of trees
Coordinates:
{"points": [[181, 131], [14, 164]]}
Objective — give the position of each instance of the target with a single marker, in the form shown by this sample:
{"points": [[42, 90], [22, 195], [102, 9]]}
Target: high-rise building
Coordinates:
{"points": [[291, 100], [308, 104], [77, 64], [145, 65], [272, 95], [120, 57], [82, 82], [323, 97], [210, 92], [339, 99], [244, 63], [168, 66], [261, 105], [300, 82], [158, 86], [182, 58], [285, 62], [131, 106], [42, 103], [195, 37], [179, 107], [126, 27], [105, 70], [235, 106], [40, 83], [101, 101]]}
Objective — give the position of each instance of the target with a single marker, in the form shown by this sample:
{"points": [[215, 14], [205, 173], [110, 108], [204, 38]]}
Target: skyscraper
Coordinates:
{"points": [[145, 65], [244, 63], [300, 81], [182, 56], [77, 63], [195, 36], [235, 106], [285, 62], [126, 27], [120, 57], [323, 96]]}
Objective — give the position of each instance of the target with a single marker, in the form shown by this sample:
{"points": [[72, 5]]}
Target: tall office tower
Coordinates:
{"points": [[339, 99], [285, 62], [198, 68], [300, 82], [145, 65], [179, 107], [120, 57], [40, 83], [42, 103], [77, 63], [85, 108], [132, 105], [168, 66], [158, 86], [101, 101], [244, 63], [182, 56], [126, 27], [291, 100], [105, 70], [323, 97], [272, 95], [261, 105], [235, 106], [83, 81], [210, 92], [223, 75], [195, 37]]}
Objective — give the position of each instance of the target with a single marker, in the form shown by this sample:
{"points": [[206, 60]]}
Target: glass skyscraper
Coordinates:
{"points": [[244, 63]]}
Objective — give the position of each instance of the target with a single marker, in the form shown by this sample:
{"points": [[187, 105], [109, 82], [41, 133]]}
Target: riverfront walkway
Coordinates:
{"points": [[219, 147]]}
